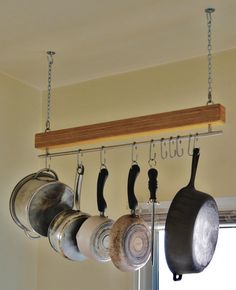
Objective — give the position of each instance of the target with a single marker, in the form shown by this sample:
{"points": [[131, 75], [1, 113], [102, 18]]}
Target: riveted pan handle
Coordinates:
{"points": [[133, 173], [101, 203], [80, 174], [196, 154]]}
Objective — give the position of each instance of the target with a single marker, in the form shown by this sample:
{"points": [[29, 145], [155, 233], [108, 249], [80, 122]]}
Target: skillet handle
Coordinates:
{"points": [[80, 174], [152, 183], [196, 155], [133, 173], [101, 203], [177, 277]]}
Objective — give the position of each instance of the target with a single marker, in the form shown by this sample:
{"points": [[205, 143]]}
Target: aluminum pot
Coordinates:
{"points": [[64, 227], [37, 199], [130, 236], [93, 236]]}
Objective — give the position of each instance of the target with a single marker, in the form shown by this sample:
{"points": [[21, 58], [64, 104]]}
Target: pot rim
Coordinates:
{"points": [[16, 191], [75, 215]]}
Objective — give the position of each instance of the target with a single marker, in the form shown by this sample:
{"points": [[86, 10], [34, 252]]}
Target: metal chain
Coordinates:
{"points": [[209, 11], [50, 62]]}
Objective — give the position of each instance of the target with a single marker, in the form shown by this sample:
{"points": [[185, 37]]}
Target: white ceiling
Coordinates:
{"points": [[95, 38]]}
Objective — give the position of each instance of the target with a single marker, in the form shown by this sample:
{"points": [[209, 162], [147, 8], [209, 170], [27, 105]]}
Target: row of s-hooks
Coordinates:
{"points": [[174, 147], [170, 147]]}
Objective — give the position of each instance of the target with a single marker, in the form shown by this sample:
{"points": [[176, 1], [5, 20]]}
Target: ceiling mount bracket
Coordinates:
{"points": [[51, 52], [210, 10]]}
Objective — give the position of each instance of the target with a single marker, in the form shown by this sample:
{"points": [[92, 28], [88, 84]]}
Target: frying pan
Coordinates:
{"points": [[130, 237], [63, 228], [191, 229], [37, 199], [93, 236]]}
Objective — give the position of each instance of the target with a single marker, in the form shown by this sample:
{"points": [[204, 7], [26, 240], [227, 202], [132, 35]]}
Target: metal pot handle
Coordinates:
{"points": [[30, 236], [46, 170], [80, 174]]}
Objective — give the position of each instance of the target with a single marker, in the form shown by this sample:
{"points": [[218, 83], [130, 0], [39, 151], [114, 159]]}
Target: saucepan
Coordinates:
{"points": [[93, 236], [130, 236], [64, 227], [37, 199]]}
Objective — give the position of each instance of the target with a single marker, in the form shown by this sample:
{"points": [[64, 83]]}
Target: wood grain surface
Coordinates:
{"points": [[132, 127]]}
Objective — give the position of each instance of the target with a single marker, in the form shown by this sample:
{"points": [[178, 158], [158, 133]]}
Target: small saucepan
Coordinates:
{"points": [[63, 228], [37, 199], [191, 229], [93, 236], [130, 236]]}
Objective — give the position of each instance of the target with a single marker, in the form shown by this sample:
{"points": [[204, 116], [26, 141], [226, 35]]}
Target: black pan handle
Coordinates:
{"points": [[152, 183], [177, 277], [196, 154], [101, 203], [133, 173], [80, 174]]}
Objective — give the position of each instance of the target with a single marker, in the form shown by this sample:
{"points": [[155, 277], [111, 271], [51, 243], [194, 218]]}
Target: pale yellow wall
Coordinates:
{"points": [[20, 118], [165, 88]]}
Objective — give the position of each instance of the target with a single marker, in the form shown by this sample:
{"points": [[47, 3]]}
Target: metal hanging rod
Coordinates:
{"points": [[110, 147]]}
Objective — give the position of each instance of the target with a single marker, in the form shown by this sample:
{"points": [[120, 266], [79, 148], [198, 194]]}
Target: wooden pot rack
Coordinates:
{"points": [[213, 114]]}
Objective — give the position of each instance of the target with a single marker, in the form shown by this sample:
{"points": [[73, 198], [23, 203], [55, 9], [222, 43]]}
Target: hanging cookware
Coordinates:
{"points": [[130, 236], [37, 199], [93, 236], [63, 228], [191, 229], [152, 185]]}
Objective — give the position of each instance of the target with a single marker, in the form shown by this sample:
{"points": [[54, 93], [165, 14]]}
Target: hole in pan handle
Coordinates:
{"points": [[177, 277]]}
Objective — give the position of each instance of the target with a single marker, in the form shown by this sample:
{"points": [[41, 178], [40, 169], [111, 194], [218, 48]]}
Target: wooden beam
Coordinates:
{"points": [[132, 127]]}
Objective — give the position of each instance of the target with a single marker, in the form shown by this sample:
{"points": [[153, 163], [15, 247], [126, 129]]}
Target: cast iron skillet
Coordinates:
{"points": [[191, 229]]}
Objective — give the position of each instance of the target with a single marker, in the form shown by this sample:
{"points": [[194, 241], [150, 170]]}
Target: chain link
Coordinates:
{"points": [[50, 63], [209, 11]]}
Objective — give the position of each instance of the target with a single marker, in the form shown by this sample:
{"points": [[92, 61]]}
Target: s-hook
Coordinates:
{"points": [[134, 159], [79, 157], [178, 143], [195, 139], [152, 155], [102, 157], [163, 143], [172, 152]]}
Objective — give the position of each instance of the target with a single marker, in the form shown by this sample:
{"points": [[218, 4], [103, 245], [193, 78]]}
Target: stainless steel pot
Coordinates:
{"points": [[64, 227], [37, 199]]}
